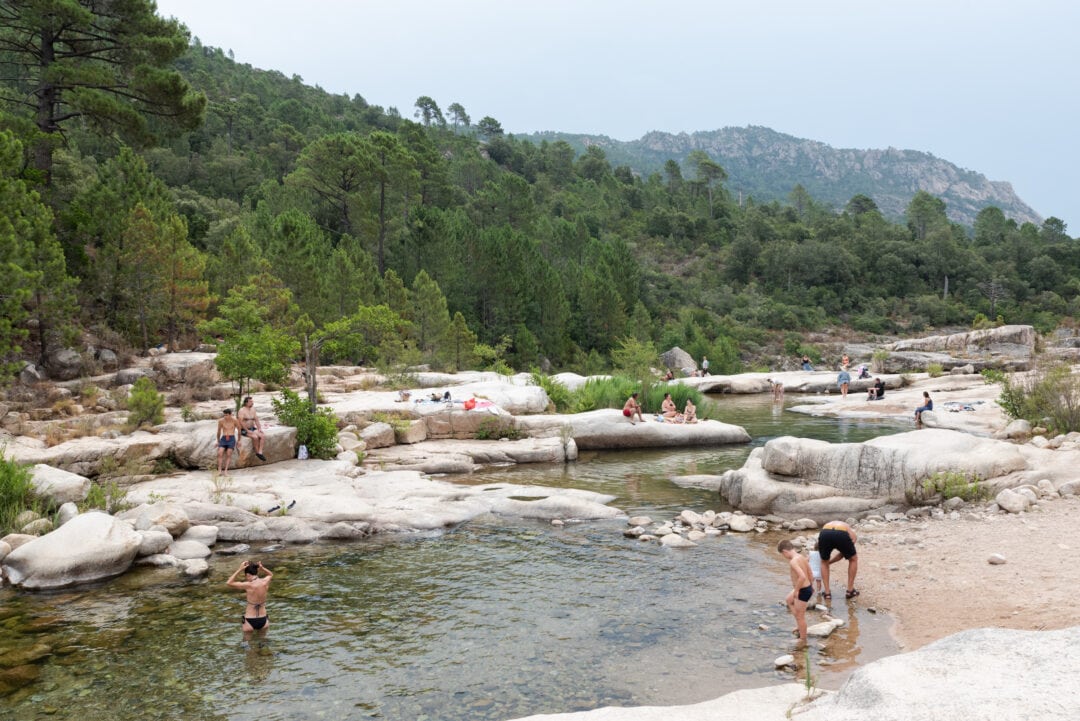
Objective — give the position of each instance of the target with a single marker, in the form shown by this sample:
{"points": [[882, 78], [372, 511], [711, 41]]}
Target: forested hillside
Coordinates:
{"points": [[766, 165], [242, 205]]}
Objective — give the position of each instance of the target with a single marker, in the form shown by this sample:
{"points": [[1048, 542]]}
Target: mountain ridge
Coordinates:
{"points": [[766, 164]]}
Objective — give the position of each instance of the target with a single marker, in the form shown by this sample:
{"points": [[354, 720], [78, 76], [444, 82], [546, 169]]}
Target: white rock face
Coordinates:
{"points": [[58, 485], [206, 535], [153, 542], [185, 550], [378, 435], [1012, 501], [171, 516], [962, 677], [66, 512], [90, 547]]}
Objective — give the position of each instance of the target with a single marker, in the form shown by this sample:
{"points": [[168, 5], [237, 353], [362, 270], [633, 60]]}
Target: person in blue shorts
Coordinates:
{"points": [[228, 428], [927, 405]]}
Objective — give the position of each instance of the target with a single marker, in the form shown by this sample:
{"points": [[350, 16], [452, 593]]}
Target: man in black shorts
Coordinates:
{"points": [[838, 536]]}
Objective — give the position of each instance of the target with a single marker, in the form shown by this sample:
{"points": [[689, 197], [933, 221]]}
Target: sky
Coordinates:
{"points": [[990, 85]]}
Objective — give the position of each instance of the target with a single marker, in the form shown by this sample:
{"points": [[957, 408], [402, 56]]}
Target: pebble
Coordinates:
{"points": [[996, 559], [785, 660]]}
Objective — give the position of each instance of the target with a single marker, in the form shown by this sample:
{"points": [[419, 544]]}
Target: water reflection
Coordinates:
{"points": [[492, 620]]}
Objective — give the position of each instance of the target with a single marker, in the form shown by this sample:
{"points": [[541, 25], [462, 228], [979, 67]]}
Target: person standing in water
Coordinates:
{"points": [[802, 586], [256, 588]]}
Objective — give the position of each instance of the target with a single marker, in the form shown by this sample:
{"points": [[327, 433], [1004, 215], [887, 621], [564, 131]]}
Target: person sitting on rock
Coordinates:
{"points": [[667, 408], [633, 408], [806, 364], [251, 427], [928, 405], [689, 414], [877, 391]]}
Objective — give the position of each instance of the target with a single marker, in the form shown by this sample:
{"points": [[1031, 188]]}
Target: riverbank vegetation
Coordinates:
{"points": [[271, 218]]}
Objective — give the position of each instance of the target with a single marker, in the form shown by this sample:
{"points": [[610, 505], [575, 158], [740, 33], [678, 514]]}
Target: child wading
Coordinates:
{"points": [[802, 586]]}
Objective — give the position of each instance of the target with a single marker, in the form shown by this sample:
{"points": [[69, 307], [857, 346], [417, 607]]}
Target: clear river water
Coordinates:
{"points": [[495, 619]]}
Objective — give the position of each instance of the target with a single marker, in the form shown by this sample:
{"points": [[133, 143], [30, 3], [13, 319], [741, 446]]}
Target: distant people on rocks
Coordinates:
{"points": [[667, 407], [633, 408], [669, 376], [228, 428], [845, 361], [877, 391], [864, 372], [843, 380], [927, 405], [704, 366], [806, 364], [839, 537], [251, 427]]}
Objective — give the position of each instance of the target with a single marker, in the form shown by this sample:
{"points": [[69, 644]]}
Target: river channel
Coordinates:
{"points": [[492, 620]]}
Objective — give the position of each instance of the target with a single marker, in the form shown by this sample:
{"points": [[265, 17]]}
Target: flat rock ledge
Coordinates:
{"points": [[609, 429], [960, 676]]}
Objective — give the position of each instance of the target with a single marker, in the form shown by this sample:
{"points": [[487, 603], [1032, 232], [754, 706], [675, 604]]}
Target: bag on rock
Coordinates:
{"points": [[302, 454]]}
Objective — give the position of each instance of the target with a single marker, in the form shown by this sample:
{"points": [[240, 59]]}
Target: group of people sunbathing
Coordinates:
{"points": [[668, 412]]}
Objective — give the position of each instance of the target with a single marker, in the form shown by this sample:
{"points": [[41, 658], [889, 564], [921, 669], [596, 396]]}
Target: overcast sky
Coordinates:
{"points": [[990, 85]]}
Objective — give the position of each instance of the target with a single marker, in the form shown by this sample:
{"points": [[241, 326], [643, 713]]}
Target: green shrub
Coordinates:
{"points": [[493, 429], [877, 360], [934, 370], [557, 393], [604, 393], [145, 405], [1050, 397], [949, 484], [992, 375], [654, 396], [16, 492], [108, 497], [315, 429]]}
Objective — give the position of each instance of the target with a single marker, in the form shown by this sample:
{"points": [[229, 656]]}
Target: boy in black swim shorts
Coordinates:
{"points": [[802, 586], [838, 536]]}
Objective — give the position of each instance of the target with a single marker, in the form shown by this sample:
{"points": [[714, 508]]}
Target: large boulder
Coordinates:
{"points": [[89, 547], [59, 486], [194, 445], [818, 480], [963, 677], [64, 364], [378, 435], [677, 359]]}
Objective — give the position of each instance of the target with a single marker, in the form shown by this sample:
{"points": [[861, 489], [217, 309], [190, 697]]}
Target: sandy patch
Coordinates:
{"points": [[934, 577]]}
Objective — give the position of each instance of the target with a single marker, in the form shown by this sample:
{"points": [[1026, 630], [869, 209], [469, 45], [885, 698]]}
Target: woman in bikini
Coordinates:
{"points": [[256, 588]]}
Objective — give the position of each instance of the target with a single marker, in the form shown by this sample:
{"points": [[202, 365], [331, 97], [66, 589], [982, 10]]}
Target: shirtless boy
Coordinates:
{"points": [[802, 586], [251, 427], [228, 429], [256, 588]]}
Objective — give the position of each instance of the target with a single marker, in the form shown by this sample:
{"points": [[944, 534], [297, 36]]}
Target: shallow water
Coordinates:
{"points": [[495, 619]]}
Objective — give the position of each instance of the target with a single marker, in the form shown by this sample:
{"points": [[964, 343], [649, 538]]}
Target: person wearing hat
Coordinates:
{"points": [[227, 430]]}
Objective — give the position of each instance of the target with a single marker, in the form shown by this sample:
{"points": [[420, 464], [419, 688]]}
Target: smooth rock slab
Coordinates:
{"points": [[90, 547], [58, 485], [978, 675]]}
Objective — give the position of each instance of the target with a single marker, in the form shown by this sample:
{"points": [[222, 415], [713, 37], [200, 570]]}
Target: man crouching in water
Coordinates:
{"points": [[256, 588], [802, 586]]}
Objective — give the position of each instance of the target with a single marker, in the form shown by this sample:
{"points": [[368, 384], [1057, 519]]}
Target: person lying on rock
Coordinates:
{"points": [[840, 537], [256, 588], [802, 587]]}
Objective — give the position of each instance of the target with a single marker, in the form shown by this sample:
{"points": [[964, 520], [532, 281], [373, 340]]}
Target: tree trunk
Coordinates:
{"points": [[311, 359]]}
